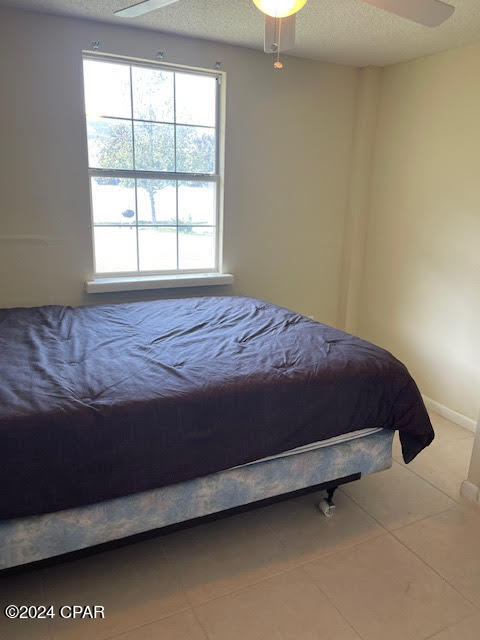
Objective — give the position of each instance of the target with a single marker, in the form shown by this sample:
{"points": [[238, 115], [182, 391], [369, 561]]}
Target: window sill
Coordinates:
{"points": [[141, 283]]}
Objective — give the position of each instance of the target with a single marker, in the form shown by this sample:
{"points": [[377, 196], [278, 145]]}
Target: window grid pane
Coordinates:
{"points": [[173, 221], [170, 245]]}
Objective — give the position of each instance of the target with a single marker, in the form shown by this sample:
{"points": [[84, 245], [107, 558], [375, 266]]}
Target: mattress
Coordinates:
{"points": [[313, 446], [32, 538], [99, 402]]}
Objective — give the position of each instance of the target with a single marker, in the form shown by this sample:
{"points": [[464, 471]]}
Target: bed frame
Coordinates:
{"points": [[38, 539]]}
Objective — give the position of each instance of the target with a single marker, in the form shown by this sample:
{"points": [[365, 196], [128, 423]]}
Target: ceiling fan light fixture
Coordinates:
{"points": [[279, 8]]}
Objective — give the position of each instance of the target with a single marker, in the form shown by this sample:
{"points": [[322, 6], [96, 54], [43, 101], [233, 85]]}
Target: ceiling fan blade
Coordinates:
{"points": [[279, 34], [430, 13], [142, 7]]}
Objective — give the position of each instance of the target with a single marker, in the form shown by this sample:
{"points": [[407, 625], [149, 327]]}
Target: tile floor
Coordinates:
{"points": [[400, 560]]}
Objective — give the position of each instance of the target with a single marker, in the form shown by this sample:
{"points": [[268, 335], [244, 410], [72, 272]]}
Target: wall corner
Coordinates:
{"points": [[358, 202]]}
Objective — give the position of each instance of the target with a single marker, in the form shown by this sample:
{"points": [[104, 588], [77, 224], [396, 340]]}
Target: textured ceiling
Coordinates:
{"points": [[344, 31]]}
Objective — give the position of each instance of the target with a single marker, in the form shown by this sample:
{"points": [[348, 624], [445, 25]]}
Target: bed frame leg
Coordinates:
{"points": [[327, 505]]}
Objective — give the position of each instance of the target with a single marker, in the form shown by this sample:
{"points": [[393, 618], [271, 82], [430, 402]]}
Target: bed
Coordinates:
{"points": [[120, 419]]}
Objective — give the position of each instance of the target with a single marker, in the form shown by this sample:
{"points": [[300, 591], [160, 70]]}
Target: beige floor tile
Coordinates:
{"points": [[307, 534], [386, 592], [396, 497], [444, 464], [22, 589], [134, 584], [447, 430], [220, 557], [181, 626], [468, 629], [285, 607], [450, 543]]}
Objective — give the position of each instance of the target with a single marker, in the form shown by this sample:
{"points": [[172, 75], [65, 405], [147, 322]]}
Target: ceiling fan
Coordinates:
{"points": [[280, 16]]}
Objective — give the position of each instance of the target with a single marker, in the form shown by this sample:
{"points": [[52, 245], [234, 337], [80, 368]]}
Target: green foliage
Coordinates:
{"points": [[154, 142]]}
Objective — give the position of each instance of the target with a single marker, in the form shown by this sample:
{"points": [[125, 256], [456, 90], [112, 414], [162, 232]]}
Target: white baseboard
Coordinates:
{"points": [[470, 491], [450, 414]]}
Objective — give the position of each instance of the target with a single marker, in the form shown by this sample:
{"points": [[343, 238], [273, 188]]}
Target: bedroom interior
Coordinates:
{"points": [[328, 297]]}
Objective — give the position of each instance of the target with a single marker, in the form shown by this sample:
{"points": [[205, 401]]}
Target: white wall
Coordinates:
{"points": [[287, 164], [474, 472], [421, 279], [470, 488]]}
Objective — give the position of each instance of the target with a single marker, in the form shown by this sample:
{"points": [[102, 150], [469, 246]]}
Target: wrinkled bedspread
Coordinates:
{"points": [[103, 401]]}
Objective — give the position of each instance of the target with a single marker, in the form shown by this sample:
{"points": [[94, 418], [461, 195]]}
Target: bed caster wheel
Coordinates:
{"points": [[326, 508], [327, 505]]}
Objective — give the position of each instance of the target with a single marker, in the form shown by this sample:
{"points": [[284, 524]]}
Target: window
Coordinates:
{"points": [[153, 156]]}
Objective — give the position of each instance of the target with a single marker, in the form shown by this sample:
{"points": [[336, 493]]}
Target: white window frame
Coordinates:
{"points": [[133, 279]]}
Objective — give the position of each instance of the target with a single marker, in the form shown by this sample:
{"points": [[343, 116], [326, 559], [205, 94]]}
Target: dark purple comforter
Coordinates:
{"points": [[102, 401]]}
